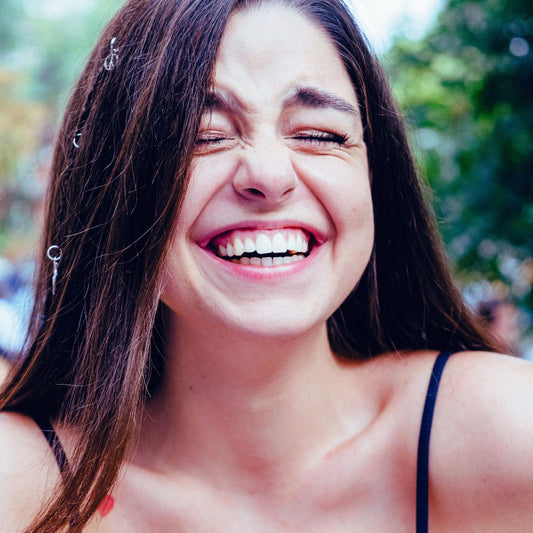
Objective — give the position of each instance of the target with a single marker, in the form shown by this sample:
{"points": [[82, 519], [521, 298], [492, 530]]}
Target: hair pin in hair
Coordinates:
{"points": [[111, 60], [76, 140], [54, 254]]}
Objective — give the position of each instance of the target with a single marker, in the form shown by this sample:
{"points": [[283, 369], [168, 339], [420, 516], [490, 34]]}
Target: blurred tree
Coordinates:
{"points": [[43, 47], [467, 87], [11, 12], [20, 126], [61, 41]]}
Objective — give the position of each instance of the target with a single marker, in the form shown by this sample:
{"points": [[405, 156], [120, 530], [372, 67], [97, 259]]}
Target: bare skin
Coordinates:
{"points": [[258, 426], [481, 477], [4, 368]]}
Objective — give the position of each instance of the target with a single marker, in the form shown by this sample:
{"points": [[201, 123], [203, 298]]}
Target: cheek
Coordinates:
{"points": [[178, 294], [347, 198], [171, 272], [343, 187], [350, 207], [195, 196], [207, 177]]}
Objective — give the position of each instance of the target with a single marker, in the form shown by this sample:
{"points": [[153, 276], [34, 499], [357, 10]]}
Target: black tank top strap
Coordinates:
{"points": [[422, 471], [53, 440]]}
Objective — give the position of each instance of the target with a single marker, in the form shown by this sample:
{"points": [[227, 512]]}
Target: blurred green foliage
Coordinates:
{"points": [[10, 11], [50, 43], [467, 90], [42, 51]]}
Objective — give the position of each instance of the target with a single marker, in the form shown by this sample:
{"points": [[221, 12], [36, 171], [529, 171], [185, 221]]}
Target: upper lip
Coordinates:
{"points": [[318, 235]]}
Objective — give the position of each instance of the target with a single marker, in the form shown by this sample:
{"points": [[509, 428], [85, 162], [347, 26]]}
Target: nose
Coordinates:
{"points": [[266, 174]]}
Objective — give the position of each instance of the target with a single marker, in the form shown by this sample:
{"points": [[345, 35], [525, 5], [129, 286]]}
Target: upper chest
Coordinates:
{"points": [[348, 491], [356, 503]]}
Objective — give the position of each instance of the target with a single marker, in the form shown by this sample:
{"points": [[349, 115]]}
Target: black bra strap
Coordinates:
{"points": [[422, 471], [53, 440]]}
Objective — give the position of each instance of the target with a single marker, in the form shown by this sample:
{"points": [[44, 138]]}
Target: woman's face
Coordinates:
{"points": [[276, 227]]}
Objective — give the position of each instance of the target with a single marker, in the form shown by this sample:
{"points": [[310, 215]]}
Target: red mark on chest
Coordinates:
{"points": [[106, 506]]}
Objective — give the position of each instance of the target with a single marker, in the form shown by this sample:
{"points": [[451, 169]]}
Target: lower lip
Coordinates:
{"points": [[257, 272]]}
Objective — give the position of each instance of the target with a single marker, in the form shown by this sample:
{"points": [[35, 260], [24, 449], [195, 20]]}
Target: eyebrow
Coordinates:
{"points": [[225, 102], [319, 99], [304, 96]]}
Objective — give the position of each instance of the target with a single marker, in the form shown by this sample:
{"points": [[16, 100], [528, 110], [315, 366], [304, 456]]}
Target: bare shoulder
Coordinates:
{"points": [[28, 471], [491, 396], [481, 466]]}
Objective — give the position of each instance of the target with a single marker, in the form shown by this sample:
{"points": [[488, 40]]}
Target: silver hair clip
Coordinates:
{"points": [[76, 139], [54, 254], [112, 58]]}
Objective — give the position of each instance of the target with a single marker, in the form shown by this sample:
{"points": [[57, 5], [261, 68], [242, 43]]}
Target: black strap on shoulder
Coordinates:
{"points": [[422, 471], [53, 440]]}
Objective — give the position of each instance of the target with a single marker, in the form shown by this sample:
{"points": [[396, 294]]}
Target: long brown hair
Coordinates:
{"points": [[114, 195]]}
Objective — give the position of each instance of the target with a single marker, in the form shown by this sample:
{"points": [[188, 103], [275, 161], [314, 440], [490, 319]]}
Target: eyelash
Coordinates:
{"points": [[321, 137], [318, 137], [208, 140]]}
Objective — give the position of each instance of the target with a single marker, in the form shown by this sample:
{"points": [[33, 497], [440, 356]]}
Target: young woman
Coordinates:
{"points": [[243, 299]]}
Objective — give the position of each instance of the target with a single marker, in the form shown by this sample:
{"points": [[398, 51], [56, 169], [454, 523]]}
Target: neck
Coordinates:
{"points": [[252, 405]]}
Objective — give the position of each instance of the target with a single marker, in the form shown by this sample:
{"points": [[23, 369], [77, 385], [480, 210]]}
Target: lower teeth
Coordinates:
{"points": [[268, 261]]}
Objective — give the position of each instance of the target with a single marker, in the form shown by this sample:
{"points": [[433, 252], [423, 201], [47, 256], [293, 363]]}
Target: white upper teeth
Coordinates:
{"points": [[265, 245], [279, 243], [249, 245]]}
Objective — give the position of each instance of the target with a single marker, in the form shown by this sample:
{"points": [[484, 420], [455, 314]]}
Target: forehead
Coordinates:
{"points": [[271, 48]]}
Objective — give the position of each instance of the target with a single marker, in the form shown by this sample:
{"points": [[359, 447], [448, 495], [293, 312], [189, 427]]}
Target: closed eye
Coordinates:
{"points": [[209, 140], [321, 137], [213, 140]]}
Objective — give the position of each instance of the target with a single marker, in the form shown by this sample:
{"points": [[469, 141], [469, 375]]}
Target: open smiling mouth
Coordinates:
{"points": [[263, 248]]}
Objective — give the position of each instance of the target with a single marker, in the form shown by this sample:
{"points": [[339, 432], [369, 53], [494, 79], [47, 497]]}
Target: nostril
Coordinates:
{"points": [[288, 191], [255, 192]]}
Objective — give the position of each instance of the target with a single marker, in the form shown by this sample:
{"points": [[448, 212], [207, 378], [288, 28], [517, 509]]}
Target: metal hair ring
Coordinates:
{"points": [[112, 58], [76, 139], [54, 253]]}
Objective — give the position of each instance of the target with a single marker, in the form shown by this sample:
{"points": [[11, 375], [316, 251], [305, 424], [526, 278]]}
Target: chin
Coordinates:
{"points": [[274, 324]]}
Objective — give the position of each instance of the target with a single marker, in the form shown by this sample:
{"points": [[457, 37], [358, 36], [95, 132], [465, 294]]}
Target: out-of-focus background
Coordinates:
{"points": [[461, 70]]}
